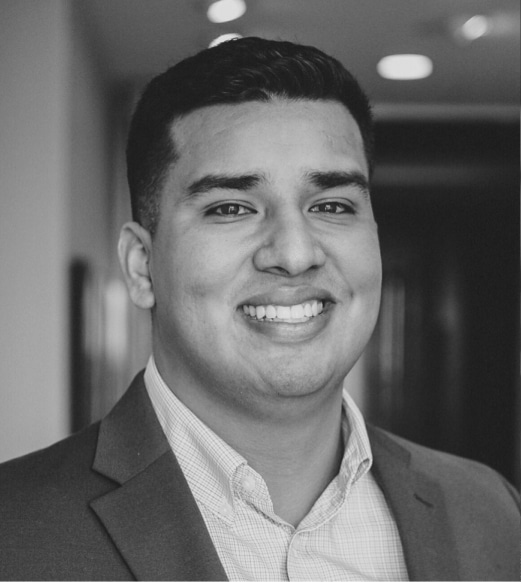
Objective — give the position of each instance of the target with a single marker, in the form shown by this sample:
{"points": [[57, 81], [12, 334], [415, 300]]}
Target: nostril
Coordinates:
{"points": [[281, 271]]}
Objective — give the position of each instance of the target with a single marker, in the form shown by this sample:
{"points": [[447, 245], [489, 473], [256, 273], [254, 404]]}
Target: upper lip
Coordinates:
{"points": [[286, 296]]}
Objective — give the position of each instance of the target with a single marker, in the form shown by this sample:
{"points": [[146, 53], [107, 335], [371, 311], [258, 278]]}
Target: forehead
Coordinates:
{"points": [[256, 135]]}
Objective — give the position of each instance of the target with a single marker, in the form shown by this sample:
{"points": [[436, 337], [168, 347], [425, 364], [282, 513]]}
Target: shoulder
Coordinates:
{"points": [[461, 509], [49, 484], [462, 480], [56, 465], [47, 529]]}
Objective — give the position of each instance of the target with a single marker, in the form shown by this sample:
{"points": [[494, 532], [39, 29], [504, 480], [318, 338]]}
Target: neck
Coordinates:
{"points": [[296, 462], [297, 453]]}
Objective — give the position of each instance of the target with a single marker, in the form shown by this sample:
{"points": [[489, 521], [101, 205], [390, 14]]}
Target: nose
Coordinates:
{"points": [[290, 247]]}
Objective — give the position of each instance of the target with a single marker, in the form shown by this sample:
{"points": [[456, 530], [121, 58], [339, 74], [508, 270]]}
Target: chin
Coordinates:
{"points": [[290, 383]]}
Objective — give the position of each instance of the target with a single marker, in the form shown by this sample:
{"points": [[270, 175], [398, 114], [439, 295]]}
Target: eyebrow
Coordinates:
{"points": [[322, 180], [336, 179], [223, 182]]}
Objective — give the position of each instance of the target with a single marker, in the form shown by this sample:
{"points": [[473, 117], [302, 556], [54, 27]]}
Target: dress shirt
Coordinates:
{"points": [[349, 534]]}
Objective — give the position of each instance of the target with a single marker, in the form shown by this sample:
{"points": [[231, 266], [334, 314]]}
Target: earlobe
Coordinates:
{"points": [[134, 249]]}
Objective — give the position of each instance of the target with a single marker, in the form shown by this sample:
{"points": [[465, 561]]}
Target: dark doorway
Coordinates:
{"points": [[444, 360]]}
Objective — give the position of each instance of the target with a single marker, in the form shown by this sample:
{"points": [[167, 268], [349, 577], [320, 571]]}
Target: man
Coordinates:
{"points": [[236, 454]]}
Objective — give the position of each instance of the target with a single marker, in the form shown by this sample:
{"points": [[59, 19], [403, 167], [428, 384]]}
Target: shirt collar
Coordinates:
{"points": [[211, 466], [358, 457]]}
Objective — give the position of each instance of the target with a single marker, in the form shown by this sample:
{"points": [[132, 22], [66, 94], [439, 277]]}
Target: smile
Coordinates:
{"points": [[299, 313]]}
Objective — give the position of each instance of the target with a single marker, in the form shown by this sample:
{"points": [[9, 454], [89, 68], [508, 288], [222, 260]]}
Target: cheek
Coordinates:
{"points": [[373, 272], [361, 264], [206, 272]]}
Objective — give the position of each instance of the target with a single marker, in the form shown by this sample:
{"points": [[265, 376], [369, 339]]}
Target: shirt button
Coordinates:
{"points": [[227, 511], [248, 483]]}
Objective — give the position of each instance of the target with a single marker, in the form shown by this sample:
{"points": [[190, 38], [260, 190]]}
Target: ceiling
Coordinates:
{"points": [[139, 38]]}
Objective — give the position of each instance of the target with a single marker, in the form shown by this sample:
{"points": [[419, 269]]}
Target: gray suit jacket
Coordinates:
{"points": [[112, 503]]}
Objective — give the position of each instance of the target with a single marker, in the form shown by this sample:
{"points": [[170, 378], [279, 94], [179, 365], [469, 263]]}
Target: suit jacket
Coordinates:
{"points": [[111, 502]]}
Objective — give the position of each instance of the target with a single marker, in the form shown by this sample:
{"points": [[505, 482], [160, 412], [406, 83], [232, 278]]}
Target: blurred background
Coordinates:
{"points": [[443, 365]]}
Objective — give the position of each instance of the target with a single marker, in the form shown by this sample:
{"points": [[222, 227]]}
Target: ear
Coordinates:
{"points": [[134, 250]]}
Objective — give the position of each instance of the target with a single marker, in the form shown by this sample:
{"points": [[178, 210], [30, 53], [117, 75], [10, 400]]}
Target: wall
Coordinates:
{"points": [[89, 202], [54, 204]]}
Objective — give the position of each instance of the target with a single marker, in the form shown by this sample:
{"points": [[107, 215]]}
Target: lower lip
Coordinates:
{"points": [[290, 332]]}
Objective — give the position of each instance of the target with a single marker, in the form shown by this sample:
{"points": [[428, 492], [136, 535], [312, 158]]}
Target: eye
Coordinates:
{"points": [[229, 209], [332, 208]]}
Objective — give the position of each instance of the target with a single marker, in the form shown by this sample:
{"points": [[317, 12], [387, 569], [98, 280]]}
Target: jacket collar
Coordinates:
{"points": [[152, 517], [417, 503]]}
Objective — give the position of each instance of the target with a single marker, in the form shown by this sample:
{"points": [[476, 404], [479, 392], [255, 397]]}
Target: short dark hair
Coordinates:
{"points": [[237, 71]]}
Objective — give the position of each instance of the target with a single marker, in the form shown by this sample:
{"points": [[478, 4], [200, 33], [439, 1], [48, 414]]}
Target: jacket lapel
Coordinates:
{"points": [[152, 516], [417, 503]]}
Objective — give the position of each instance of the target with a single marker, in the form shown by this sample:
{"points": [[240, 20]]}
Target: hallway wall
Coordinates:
{"points": [[54, 204]]}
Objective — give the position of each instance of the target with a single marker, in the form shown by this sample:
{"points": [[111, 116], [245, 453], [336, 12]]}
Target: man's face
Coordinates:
{"points": [[265, 266]]}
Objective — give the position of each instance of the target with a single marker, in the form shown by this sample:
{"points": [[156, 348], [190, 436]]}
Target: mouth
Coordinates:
{"points": [[292, 314]]}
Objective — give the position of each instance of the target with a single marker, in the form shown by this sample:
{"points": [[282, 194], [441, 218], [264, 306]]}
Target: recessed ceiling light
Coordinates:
{"points": [[475, 27], [225, 10], [466, 28], [224, 38], [405, 67]]}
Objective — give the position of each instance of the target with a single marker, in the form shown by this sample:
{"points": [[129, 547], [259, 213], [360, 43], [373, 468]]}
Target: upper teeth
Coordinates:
{"points": [[294, 313]]}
